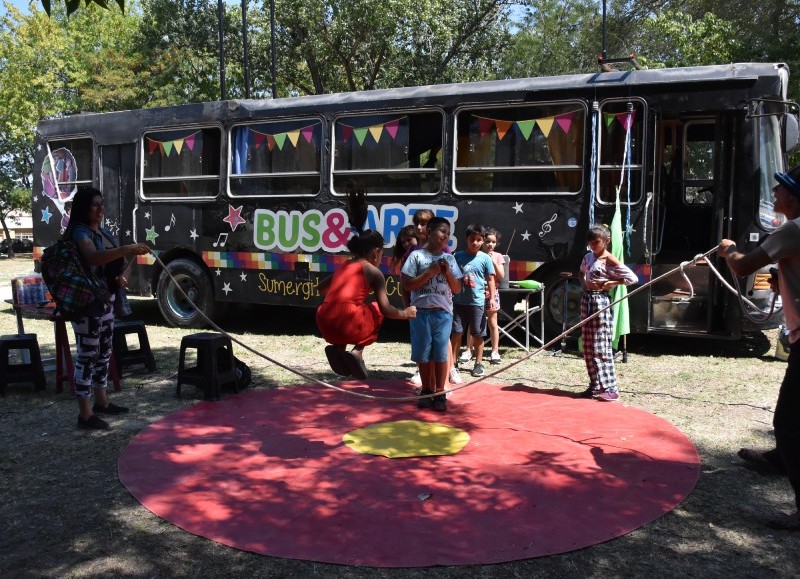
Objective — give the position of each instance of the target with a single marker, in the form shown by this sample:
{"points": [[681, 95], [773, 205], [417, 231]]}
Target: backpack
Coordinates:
{"points": [[72, 285]]}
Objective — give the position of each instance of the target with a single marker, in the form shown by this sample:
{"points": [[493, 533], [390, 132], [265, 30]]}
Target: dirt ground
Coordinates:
{"points": [[64, 513]]}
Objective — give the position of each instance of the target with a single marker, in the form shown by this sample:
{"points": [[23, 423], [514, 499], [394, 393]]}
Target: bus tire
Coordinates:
{"points": [[553, 313], [176, 309]]}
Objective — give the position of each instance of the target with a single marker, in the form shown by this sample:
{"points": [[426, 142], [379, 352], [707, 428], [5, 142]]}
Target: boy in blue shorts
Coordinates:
{"points": [[469, 305], [432, 276]]}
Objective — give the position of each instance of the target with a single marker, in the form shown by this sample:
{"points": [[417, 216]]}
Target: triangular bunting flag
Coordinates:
{"points": [[167, 147], [391, 128], [502, 128], [484, 126], [361, 134], [347, 132], [545, 125], [609, 118], [293, 137], [189, 142], [308, 133], [280, 140], [526, 128], [259, 139], [152, 146], [375, 131], [178, 145], [270, 142], [626, 119], [565, 121]]}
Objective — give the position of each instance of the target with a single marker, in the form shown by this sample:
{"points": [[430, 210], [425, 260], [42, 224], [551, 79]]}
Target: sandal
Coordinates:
{"points": [[356, 364], [336, 358]]}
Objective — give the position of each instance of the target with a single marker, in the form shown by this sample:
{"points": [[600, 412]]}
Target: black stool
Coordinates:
{"points": [[215, 365], [126, 356], [13, 373]]}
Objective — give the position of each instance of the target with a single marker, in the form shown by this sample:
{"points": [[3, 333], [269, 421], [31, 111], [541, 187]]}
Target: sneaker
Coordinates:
{"points": [[425, 402], [477, 370], [111, 408], [589, 393], [495, 358], [92, 423], [608, 396], [415, 379], [455, 377], [440, 403], [466, 356], [417, 390]]}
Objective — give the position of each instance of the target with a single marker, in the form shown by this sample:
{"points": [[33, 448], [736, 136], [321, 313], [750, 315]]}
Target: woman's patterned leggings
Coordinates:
{"points": [[596, 335], [93, 340]]}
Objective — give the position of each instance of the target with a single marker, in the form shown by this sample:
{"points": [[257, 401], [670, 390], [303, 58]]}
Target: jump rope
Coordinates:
{"points": [[680, 268]]}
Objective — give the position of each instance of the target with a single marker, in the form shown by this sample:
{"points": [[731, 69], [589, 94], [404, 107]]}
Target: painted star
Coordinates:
{"points": [[243, 276], [234, 218], [518, 208], [218, 271], [127, 233], [526, 236], [150, 234], [147, 215], [227, 288], [39, 147], [46, 215], [35, 198], [193, 234]]}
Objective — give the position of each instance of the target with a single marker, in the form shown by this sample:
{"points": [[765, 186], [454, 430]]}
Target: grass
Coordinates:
{"points": [[64, 513]]}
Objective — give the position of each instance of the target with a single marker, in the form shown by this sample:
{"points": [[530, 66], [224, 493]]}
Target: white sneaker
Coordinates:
{"points": [[495, 358], [466, 356], [455, 377], [415, 379]]}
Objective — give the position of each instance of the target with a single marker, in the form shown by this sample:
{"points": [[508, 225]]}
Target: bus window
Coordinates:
{"points": [[276, 158], [520, 149], [698, 170], [180, 163], [68, 165], [621, 145], [389, 153]]}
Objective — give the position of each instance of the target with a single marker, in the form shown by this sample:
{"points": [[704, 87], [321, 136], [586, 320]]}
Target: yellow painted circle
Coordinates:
{"points": [[406, 438]]}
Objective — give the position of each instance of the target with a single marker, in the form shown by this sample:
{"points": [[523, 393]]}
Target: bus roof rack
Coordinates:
{"points": [[605, 63]]}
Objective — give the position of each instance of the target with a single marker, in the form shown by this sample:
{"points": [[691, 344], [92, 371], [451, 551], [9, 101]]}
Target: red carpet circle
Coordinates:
{"points": [[543, 473]]}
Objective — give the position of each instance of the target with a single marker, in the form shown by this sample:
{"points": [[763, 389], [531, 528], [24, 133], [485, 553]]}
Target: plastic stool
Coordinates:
{"points": [[124, 355], [215, 364], [32, 371]]}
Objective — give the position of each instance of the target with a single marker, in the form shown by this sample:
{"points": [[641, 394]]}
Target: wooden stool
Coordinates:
{"points": [[126, 356], [215, 364], [32, 371]]}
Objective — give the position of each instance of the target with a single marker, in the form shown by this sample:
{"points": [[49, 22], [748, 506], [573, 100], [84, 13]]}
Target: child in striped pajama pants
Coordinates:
{"points": [[600, 271]]}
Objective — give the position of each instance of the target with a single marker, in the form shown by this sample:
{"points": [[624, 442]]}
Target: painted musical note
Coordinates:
{"points": [[546, 228], [171, 222], [221, 240]]}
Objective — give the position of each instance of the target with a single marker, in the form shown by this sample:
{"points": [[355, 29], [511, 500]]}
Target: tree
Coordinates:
{"points": [[179, 41], [331, 46], [73, 5]]}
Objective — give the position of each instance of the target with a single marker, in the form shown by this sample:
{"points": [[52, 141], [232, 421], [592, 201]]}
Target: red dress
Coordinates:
{"points": [[345, 317]]}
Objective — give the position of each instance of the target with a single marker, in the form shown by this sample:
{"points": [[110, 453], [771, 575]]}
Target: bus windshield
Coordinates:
{"points": [[770, 161]]}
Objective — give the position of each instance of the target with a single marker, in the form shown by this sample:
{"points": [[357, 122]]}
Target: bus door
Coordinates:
{"points": [[690, 206]]}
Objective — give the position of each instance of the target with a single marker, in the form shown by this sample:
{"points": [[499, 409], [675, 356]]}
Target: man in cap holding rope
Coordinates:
{"points": [[782, 246]]}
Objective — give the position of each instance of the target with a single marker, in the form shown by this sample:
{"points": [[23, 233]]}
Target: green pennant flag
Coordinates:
{"points": [[361, 134], [622, 322], [525, 127], [280, 139]]}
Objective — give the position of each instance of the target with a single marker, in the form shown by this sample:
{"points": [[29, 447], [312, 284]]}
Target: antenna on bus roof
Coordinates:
{"points": [[605, 63], [602, 59]]}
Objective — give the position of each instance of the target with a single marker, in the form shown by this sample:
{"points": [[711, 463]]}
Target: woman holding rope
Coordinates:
{"points": [[782, 246], [345, 317]]}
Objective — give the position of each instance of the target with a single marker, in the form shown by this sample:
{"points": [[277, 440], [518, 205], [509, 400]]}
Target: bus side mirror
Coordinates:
{"points": [[791, 133]]}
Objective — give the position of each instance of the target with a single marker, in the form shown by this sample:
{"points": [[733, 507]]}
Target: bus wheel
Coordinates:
{"points": [[554, 304], [176, 309]]}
